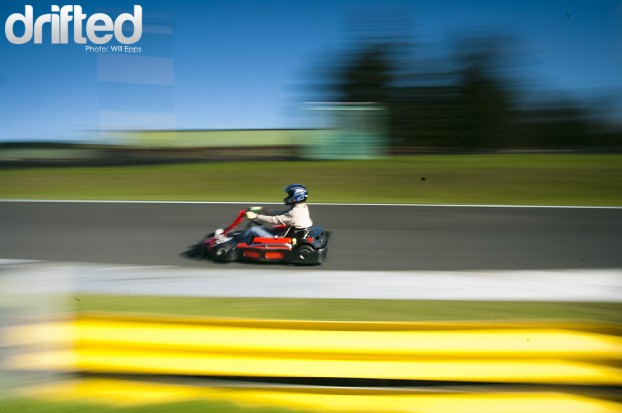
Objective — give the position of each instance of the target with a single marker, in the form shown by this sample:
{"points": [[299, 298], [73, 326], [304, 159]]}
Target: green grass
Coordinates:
{"points": [[353, 309], [556, 179], [31, 405]]}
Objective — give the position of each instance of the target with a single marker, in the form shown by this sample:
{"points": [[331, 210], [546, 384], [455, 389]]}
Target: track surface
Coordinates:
{"points": [[364, 237]]}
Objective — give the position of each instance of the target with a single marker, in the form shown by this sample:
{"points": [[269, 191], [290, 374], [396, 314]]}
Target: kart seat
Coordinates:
{"points": [[297, 233]]}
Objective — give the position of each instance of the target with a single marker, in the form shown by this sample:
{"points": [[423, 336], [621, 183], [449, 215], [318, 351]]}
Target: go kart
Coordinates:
{"points": [[307, 246]]}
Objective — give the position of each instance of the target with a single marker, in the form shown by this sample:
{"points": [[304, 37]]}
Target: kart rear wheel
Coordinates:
{"points": [[304, 252]]}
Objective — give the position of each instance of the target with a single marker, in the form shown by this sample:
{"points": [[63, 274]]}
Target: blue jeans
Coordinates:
{"points": [[256, 231]]}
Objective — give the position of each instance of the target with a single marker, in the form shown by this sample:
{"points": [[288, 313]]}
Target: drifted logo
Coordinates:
{"points": [[100, 28]]}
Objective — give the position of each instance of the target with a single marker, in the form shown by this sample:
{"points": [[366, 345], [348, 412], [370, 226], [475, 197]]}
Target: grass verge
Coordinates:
{"points": [[555, 179], [353, 309], [32, 405]]}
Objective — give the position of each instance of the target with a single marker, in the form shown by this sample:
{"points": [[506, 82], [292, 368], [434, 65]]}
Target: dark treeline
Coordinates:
{"points": [[467, 101]]}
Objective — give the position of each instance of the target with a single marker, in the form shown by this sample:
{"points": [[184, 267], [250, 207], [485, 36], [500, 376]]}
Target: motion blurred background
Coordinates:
{"points": [[365, 102], [229, 80]]}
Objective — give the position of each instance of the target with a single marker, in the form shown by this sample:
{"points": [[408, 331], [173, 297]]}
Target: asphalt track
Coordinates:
{"points": [[365, 237]]}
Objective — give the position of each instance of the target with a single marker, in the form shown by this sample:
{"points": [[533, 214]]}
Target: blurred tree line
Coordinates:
{"points": [[466, 102]]}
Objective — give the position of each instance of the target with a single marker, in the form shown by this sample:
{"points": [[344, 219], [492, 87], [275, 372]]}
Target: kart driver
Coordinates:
{"points": [[297, 216]]}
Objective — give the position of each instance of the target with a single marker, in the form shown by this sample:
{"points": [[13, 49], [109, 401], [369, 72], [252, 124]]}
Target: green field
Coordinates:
{"points": [[543, 179]]}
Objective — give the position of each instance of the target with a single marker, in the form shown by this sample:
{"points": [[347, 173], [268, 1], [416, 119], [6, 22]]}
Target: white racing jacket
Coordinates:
{"points": [[297, 216]]}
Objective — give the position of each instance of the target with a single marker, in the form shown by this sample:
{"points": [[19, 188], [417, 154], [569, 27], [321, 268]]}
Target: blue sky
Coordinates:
{"points": [[220, 64]]}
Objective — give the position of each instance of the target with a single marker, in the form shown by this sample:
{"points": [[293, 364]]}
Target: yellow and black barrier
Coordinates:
{"points": [[521, 353], [536, 360]]}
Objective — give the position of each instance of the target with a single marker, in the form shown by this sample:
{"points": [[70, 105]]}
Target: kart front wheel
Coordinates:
{"points": [[225, 253]]}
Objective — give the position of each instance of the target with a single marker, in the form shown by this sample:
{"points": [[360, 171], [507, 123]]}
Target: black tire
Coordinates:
{"points": [[226, 252], [221, 252], [304, 252]]}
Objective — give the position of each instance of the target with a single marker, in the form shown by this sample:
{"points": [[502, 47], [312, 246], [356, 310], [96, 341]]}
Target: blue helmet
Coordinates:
{"points": [[295, 193]]}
